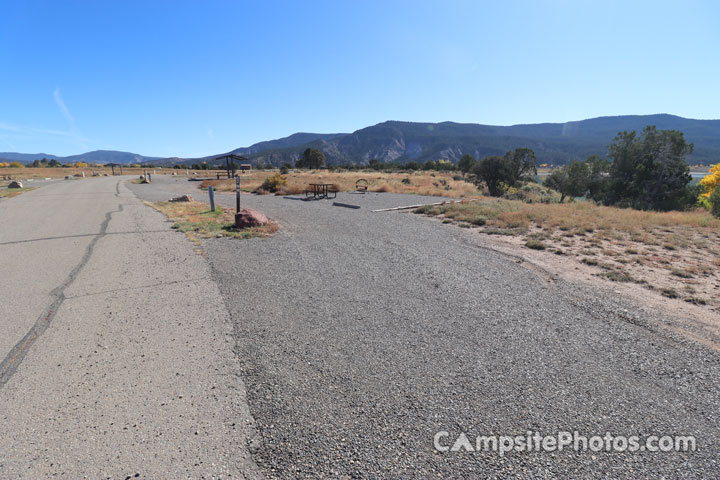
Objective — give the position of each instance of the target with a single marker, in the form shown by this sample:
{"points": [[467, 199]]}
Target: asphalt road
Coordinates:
{"points": [[116, 349], [362, 335], [340, 347]]}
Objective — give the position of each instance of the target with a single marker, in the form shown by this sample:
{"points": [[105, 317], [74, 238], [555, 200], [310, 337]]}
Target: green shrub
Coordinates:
{"points": [[532, 193], [715, 203], [274, 183]]}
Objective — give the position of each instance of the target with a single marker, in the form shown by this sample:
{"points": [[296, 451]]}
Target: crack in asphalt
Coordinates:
{"points": [[140, 287], [16, 355], [15, 242]]}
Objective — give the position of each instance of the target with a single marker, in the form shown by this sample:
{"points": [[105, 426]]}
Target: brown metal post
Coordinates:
{"points": [[237, 201], [237, 194]]}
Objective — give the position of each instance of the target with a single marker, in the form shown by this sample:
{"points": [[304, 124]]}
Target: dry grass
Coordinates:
{"points": [[14, 192], [663, 251], [419, 183], [293, 190], [579, 217], [197, 221]]}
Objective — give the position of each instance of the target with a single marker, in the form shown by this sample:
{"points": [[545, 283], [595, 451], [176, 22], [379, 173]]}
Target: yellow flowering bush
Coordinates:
{"points": [[710, 198], [711, 182]]}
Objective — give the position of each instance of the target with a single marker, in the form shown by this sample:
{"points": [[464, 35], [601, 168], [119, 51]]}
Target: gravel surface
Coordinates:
{"points": [[361, 335], [116, 348]]}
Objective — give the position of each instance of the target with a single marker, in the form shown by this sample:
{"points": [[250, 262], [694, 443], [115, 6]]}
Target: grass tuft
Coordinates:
{"points": [[669, 293], [535, 244], [197, 221], [617, 276], [14, 192], [681, 273]]}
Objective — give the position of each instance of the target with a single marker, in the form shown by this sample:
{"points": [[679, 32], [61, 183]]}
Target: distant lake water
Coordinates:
{"points": [[696, 177]]}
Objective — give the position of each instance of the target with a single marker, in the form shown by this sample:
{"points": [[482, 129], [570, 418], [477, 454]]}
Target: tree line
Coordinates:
{"points": [[313, 159], [648, 171], [52, 163]]}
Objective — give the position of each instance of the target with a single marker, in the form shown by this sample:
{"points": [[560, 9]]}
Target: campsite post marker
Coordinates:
{"points": [[212, 198], [237, 194], [238, 217]]}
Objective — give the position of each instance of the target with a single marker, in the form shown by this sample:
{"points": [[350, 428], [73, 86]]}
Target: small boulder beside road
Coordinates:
{"points": [[15, 184]]}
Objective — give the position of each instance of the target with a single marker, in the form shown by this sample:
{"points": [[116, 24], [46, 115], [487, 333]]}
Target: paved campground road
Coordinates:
{"points": [[338, 347], [115, 345], [361, 335]]}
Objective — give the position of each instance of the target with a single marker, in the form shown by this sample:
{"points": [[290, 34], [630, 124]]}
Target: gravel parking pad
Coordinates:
{"points": [[361, 335]]}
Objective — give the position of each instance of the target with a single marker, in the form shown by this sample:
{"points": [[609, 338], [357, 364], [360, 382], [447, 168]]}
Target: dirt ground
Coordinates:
{"points": [[681, 281]]}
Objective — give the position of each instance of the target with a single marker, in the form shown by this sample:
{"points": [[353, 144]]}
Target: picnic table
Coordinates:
{"points": [[321, 190]]}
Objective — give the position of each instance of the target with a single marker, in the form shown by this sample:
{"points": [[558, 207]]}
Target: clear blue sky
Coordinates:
{"points": [[177, 78]]}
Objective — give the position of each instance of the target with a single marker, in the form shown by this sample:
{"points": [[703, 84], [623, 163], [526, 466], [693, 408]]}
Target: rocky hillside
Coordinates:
{"points": [[554, 143]]}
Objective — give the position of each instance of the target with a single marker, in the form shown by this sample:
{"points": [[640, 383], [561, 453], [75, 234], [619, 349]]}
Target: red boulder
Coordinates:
{"points": [[250, 218]]}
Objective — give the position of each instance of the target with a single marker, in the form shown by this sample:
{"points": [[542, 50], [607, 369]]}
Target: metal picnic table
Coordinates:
{"points": [[321, 190]]}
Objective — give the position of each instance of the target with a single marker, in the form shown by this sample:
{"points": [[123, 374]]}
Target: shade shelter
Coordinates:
{"points": [[113, 165], [231, 163]]}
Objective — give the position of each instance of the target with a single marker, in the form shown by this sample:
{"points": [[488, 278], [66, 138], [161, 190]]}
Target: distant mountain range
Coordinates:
{"points": [[394, 141], [97, 156]]}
